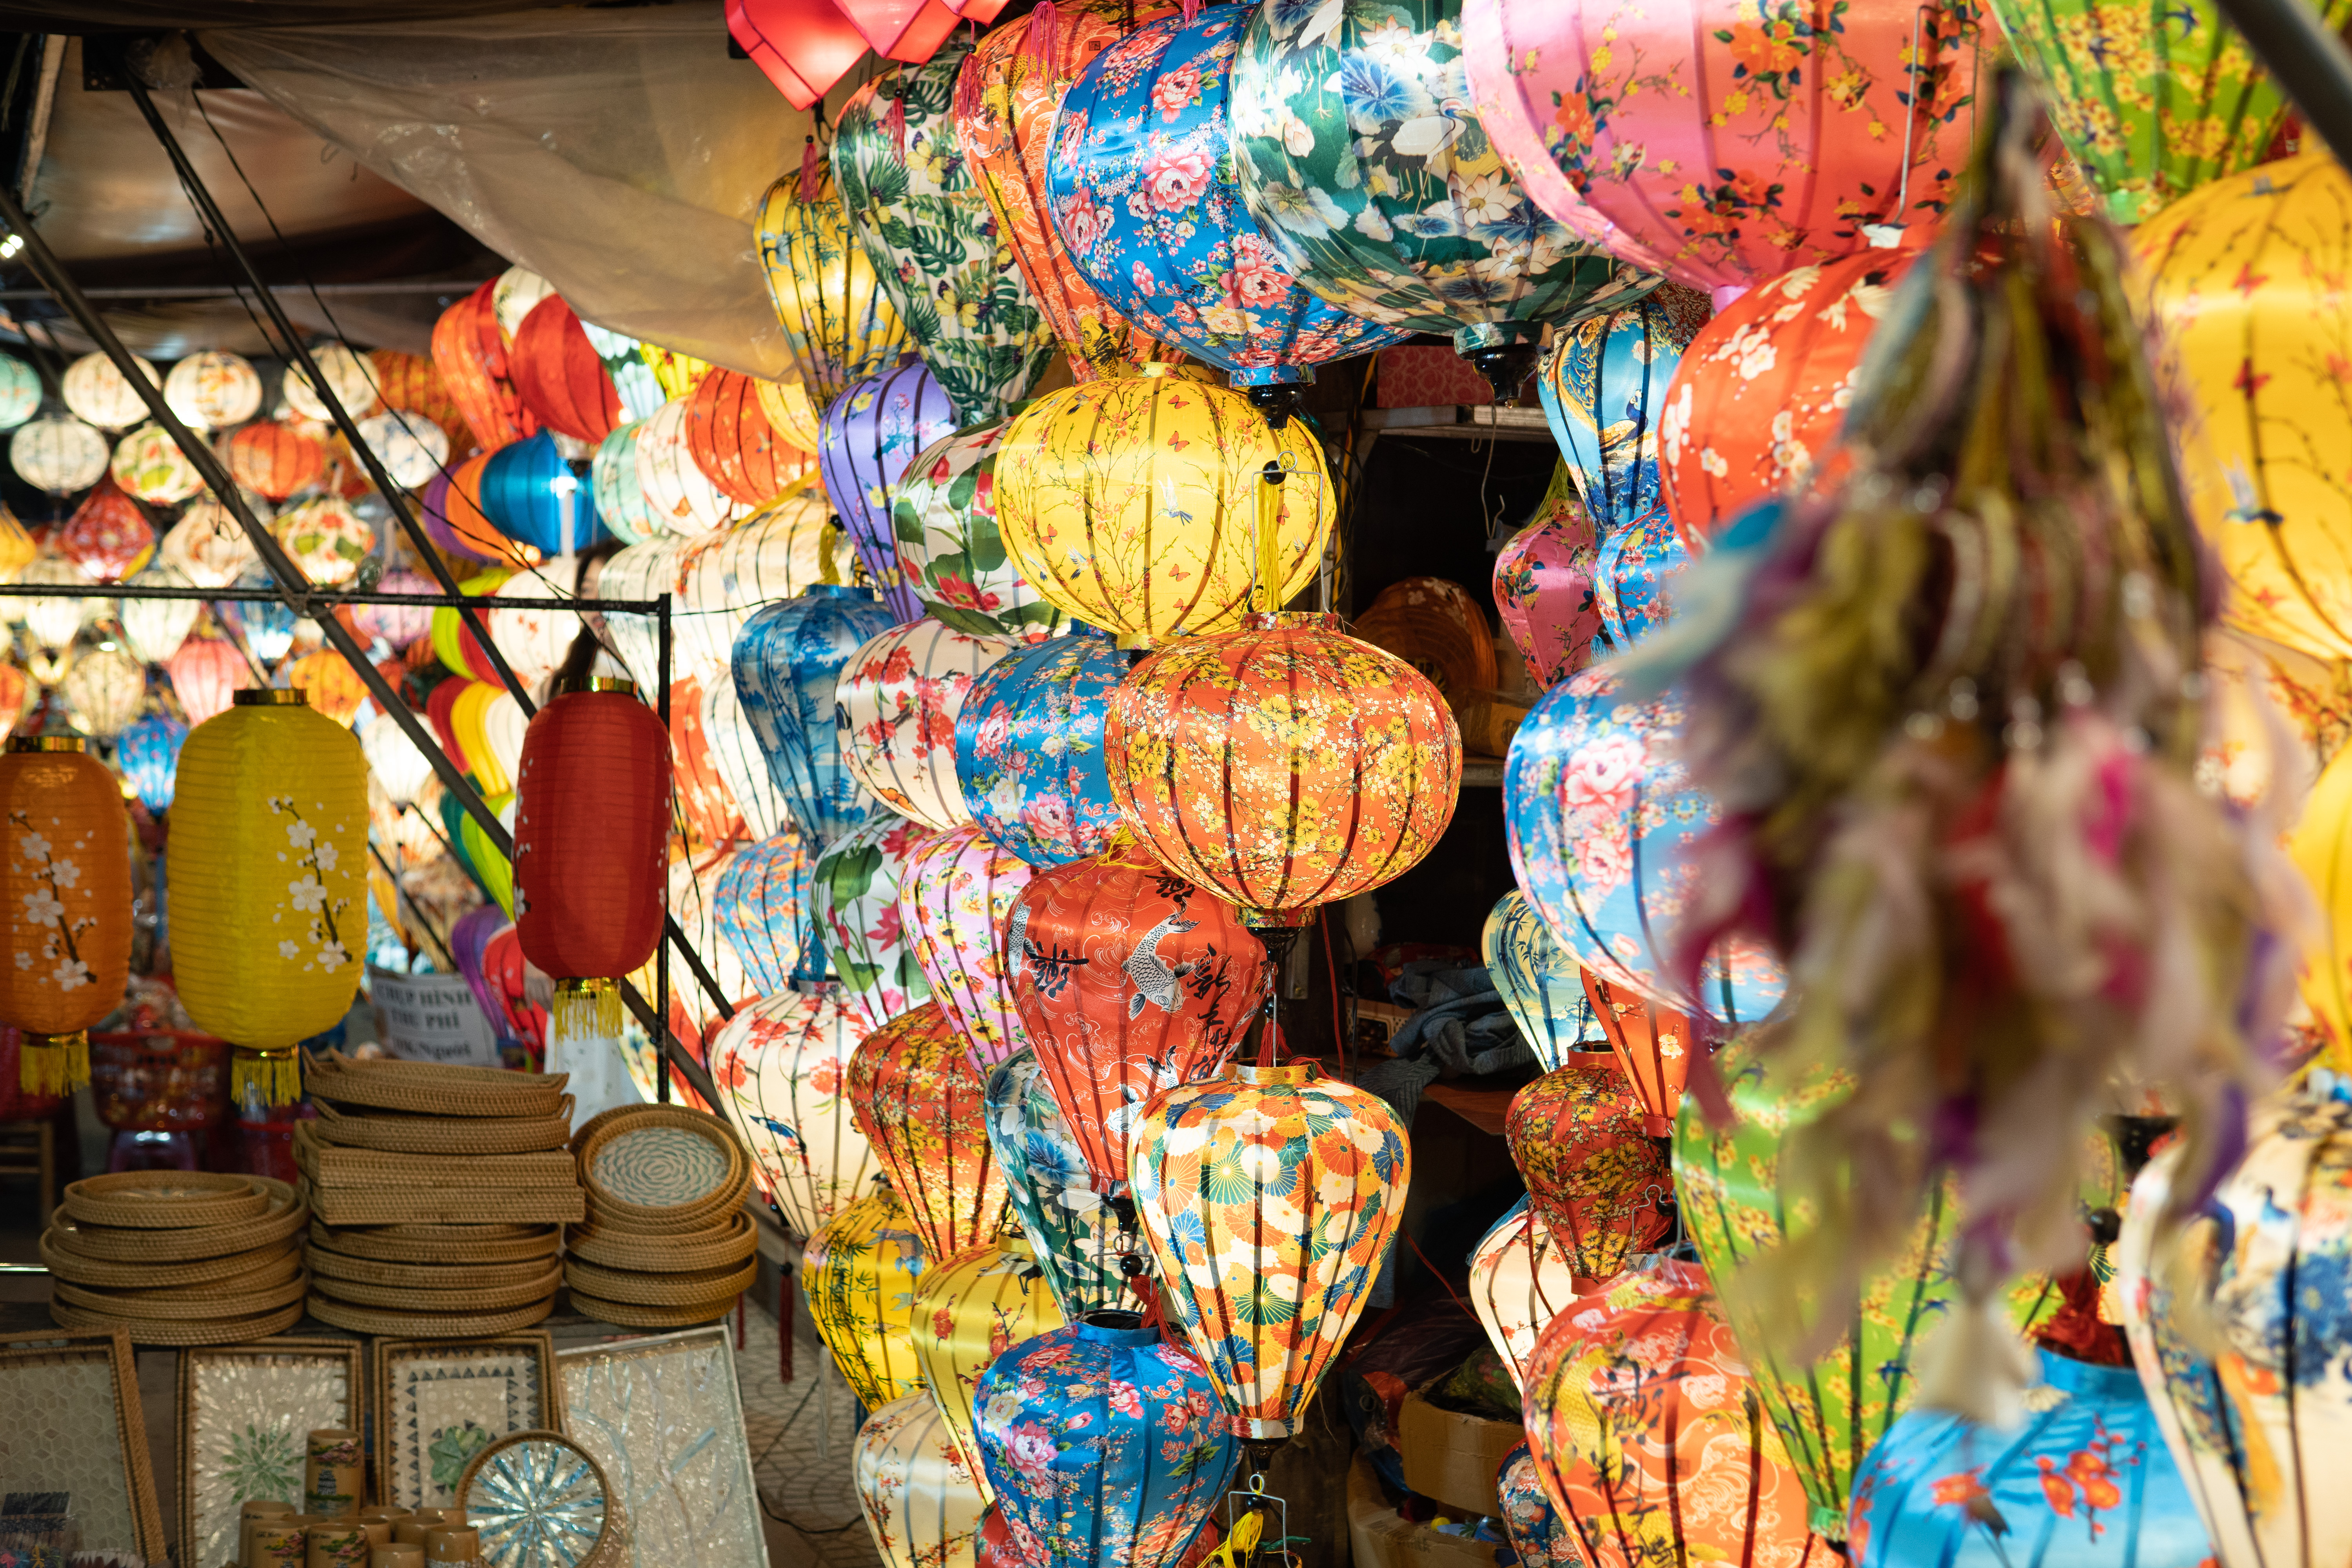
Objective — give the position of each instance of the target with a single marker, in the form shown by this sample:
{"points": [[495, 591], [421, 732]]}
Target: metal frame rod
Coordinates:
{"points": [[2309, 62], [231, 291], [326, 596]]}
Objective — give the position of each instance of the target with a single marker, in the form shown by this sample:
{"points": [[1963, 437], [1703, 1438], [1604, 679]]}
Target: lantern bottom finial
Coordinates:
{"points": [[259, 1079], [1506, 368], [1277, 401], [53, 1064]]}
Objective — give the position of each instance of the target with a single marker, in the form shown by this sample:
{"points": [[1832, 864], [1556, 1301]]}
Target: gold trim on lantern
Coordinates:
{"points": [[47, 744], [270, 697], [259, 1079], [571, 684], [52, 1064], [586, 1008]]}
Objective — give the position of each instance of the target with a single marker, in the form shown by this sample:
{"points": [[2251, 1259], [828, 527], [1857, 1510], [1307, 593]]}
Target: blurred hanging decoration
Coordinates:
{"points": [[676, 373], [951, 556], [148, 754], [409, 381], [411, 447], [1140, 176], [837, 317], [678, 495], [1029, 751], [859, 1272], [1520, 1278], [1082, 1239], [272, 459], [613, 489], [1983, 834], [96, 392], [58, 454], [345, 375], [1284, 766], [899, 698], [533, 638], [1136, 504], [155, 628], [731, 440], [917, 1097], [531, 493], [1005, 100], [781, 1066], [326, 679], [326, 538], [922, 1504], [51, 622], [971, 1308], [103, 692], [205, 673], [208, 544], [1270, 1197], [1380, 190], [559, 375], [872, 432], [633, 381], [451, 509], [1825, 129], [855, 891], [107, 537], [764, 909], [955, 898], [65, 906], [213, 390], [1540, 984], [1598, 1183], [934, 241], [709, 811], [20, 392], [1433, 625]]}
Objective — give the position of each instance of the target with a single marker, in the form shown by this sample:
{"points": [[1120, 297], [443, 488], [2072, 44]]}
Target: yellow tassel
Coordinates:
{"points": [[53, 1064], [260, 1080], [584, 1010]]}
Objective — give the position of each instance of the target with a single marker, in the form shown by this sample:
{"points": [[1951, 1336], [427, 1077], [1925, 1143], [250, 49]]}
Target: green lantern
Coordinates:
{"points": [[934, 241], [2153, 99], [1360, 157]]}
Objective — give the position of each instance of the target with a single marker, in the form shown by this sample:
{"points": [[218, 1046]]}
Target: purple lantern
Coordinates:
{"points": [[871, 433], [434, 515]]}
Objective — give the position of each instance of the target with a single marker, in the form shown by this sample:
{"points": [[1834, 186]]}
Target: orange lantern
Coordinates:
{"points": [[333, 686], [409, 382], [272, 459], [206, 673], [701, 788], [1602, 1187], [1652, 1045], [730, 440], [918, 1100], [64, 905], [560, 376], [470, 354], [458, 507], [1284, 766]]}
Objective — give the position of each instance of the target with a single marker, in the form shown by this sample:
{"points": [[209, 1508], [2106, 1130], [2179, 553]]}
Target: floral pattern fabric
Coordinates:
{"points": [[1598, 1184], [763, 913], [786, 666], [895, 703], [922, 1501], [148, 464], [956, 899], [1540, 984], [837, 317], [950, 553], [872, 434], [781, 1067], [1076, 1235], [1539, 1533], [918, 1099], [1519, 1280], [1544, 590], [855, 889], [1634, 572], [1604, 388], [65, 891], [859, 1273], [1029, 750], [1144, 193], [974, 1307]]}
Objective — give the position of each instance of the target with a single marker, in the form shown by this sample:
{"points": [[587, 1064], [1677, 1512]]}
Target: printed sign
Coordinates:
{"points": [[431, 1018]]}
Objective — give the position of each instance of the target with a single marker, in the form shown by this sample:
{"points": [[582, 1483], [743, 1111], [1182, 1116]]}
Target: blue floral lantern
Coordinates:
{"points": [[148, 754], [1075, 1233], [2084, 1481], [762, 904], [267, 624], [868, 436], [1029, 748], [1540, 984], [1604, 825], [1542, 1535], [1108, 1446], [1141, 187], [531, 493]]}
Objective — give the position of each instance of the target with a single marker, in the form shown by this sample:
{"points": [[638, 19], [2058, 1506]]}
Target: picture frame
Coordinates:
{"points": [[437, 1402], [664, 1417], [245, 1413], [70, 1422]]}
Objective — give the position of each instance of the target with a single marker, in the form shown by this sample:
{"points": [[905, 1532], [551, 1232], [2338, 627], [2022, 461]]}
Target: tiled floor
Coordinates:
{"points": [[801, 1435]]}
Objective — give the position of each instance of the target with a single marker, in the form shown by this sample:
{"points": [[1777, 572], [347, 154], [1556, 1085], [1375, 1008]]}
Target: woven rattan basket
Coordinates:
{"points": [[209, 1303], [440, 1245], [428, 1089], [635, 1317], [460, 1293], [283, 1218], [164, 1200], [424, 1325], [277, 1266], [105, 1274], [378, 1169], [637, 1290], [156, 1331], [399, 1133], [717, 1247], [340, 1207], [330, 1264], [606, 1133]]}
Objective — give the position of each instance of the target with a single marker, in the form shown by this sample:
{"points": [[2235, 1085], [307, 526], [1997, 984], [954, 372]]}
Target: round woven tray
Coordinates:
{"points": [[450, 1244], [725, 1201], [433, 1090], [720, 1247], [632, 1317], [282, 1219], [467, 1297], [424, 1326], [210, 1305], [276, 1267], [164, 1200], [727, 1192], [157, 1332], [641, 1290], [403, 1134], [328, 1264], [69, 1265]]}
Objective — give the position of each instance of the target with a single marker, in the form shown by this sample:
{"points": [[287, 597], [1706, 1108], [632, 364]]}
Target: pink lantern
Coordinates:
{"points": [[1544, 581], [957, 899], [908, 30], [803, 46], [206, 673]]}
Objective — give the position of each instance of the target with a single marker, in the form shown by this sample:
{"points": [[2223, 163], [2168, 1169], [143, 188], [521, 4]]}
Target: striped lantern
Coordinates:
{"points": [[103, 692], [897, 702], [837, 318], [711, 818], [1540, 984], [409, 381], [956, 899], [559, 375], [471, 357], [969, 1310], [781, 1066], [855, 897], [735, 753], [273, 459], [951, 554], [922, 1502], [918, 1098], [1521, 1279], [1598, 1184], [58, 454], [1029, 751], [873, 432], [613, 489], [346, 376], [155, 628], [531, 492], [859, 1272], [677, 492], [731, 440], [786, 548], [1079, 1237], [786, 665]]}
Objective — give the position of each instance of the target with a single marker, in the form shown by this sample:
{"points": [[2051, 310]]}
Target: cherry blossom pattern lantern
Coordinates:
{"points": [[99, 395], [1540, 982], [837, 317], [951, 556], [559, 375], [787, 663], [973, 1308], [411, 447], [922, 1502], [762, 908], [917, 1097], [1793, 170], [781, 1066], [897, 699], [64, 905], [345, 375], [273, 459], [1521, 1279], [1596, 1180], [1380, 190], [957, 898], [1544, 581], [730, 438], [854, 888], [1140, 176], [1284, 766], [1269, 1196], [1029, 751], [859, 1272], [933, 238], [471, 358], [873, 431], [678, 495], [58, 454], [1085, 1242], [213, 390], [107, 537]]}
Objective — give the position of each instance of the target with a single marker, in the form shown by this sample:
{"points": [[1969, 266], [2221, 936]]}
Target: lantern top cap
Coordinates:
{"points": [[572, 685], [1293, 1076], [1296, 621], [1115, 1328], [271, 697], [47, 743]]}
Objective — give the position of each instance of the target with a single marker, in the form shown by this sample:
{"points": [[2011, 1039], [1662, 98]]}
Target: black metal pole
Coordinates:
{"points": [[702, 975], [316, 596], [2310, 63]]}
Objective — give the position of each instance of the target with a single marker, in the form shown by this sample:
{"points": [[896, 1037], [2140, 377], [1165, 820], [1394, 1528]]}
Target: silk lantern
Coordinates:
{"points": [[1029, 752], [1598, 1183], [1136, 504], [150, 466], [781, 1066], [100, 394], [951, 556], [922, 1504], [1521, 1277], [802, 46], [1330, 766], [58, 454], [1269, 1196], [872, 432], [53, 622], [730, 438], [213, 390], [859, 1272], [1377, 189], [409, 382], [702, 799], [1106, 1445], [394, 761], [396, 624], [969, 1310], [957, 898], [785, 400], [155, 628], [1650, 1436], [1605, 385], [854, 890], [742, 766], [205, 671], [533, 496], [267, 953], [410, 447], [1540, 982], [1544, 579], [20, 392], [472, 363], [898, 31], [1539, 1533], [676, 373], [1813, 133], [1006, 97], [559, 375], [17, 547], [1128, 981], [64, 905], [786, 548], [1653, 1046], [897, 701], [272, 459], [917, 1096], [837, 319], [514, 293], [148, 754], [103, 692], [344, 375], [326, 538], [492, 866], [934, 239], [455, 520], [632, 377], [762, 908], [1085, 1241], [534, 640], [613, 491], [678, 493], [107, 537]]}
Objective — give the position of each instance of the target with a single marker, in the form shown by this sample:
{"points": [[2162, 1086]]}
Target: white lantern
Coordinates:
{"points": [[895, 703], [103, 692], [156, 627], [513, 295], [148, 465], [678, 494], [97, 392], [53, 622], [60, 454], [644, 571], [209, 544], [213, 389], [534, 640], [779, 551], [347, 377], [395, 760], [411, 447], [742, 766]]}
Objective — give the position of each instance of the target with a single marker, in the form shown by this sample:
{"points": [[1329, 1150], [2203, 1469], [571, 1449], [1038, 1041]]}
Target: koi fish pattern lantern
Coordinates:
{"points": [[1029, 750], [971, 1308], [1521, 1279], [855, 891], [922, 1503], [1540, 984], [897, 701], [837, 317], [872, 433], [951, 556], [957, 898], [859, 1273], [917, 1096], [65, 906], [1596, 1180], [1075, 1233], [1269, 1196], [781, 1067]]}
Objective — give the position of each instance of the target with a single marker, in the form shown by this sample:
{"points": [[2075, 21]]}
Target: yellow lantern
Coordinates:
{"points": [[676, 373], [64, 905], [841, 325], [785, 401], [859, 1273], [2322, 851], [331, 683], [266, 864], [2245, 278], [1136, 504], [968, 1311]]}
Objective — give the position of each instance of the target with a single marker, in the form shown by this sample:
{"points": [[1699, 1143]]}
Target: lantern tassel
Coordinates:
{"points": [[968, 91], [812, 179], [583, 1010], [53, 1064], [258, 1080], [895, 121], [1044, 44]]}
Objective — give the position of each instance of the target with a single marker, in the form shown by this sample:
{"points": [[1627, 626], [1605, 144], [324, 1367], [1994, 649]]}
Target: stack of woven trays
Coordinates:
{"points": [[437, 1194], [176, 1257], [666, 1243]]}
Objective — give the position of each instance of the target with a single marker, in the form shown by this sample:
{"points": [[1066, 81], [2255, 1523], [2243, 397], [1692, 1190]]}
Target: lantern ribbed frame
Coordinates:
{"points": [[919, 1100], [560, 376], [781, 1066]]}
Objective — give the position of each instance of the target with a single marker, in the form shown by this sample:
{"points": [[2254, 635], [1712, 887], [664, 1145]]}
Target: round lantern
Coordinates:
{"points": [[153, 629], [872, 433], [273, 458], [951, 556], [1128, 980], [933, 239], [781, 1066], [1761, 391], [327, 538], [969, 1310], [922, 1503], [98, 394], [1605, 385], [854, 891], [743, 767], [345, 376], [957, 897], [1544, 590], [1380, 192], [1521, 1277], [397, 624], [64, 905], [52, 624], [534, 639], [148, 465], [633, 381], [613, 491], [730, 438], [837, 318], [1540, 984], [559, 375], [206, 672], [394, 761], [454, 643], [1141, 179], [859, 1272], [58, 454], [787, 662], [472, 364], [764, 909], [1269, 1196], [918, 1099], [107, 537], [788, 547], [897, 701], [148, 754], [678, 495], [406, 381], [20, 392], [1328, 766], [454, 519], [103, 691], [1082, 1240], [674, 373], [1106, 1445], [1029, 752], [1539, 1533], [533, 496], [209, 545], [1158, 537], [213, 390], [1598, 1183], [411, 447], [1650, 1436], [267, 952], [1813, 133]]}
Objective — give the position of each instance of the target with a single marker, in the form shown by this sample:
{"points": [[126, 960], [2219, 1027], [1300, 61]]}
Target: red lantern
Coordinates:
{"points": [[471, 357], [590, 850], [1601, 1185], [108, 536], [560, 376], [206, 674], [908, 30], [1128, 981], [1652, 1046], [731, 440], [440, 705], [803, 46], [918, 1100], [701, 789], [272, 459]]}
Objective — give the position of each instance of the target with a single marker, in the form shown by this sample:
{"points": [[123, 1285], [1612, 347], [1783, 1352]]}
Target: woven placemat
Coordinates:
{"points": [[428, 1089], [633, 1317], [546, 1205], [726, 1200], [66, 1264], [281, 1220], [276, 1265], [460, 1295], [207, 1305], [164, 1200], [425, 1326], [328, 1264], [398, 1133], [440, 1245], [158, 1332], [718, 1247], [608, 1138], [637, 1290]]}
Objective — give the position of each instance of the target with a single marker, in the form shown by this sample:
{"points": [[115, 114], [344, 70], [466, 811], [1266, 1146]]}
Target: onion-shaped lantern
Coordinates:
{"points": [[951, 556], [742, 766], [1540, 984], [326, 538], [107, 537], [64, 905], [58, 454], [1521, 1277], [560, 377], [155, 628], [531, 493], [897, 703], [837, 318], [213, 390], [764, 909], [922, 1503], [872, 433], [855, 891], [273, 458], [731, 440], [95, 391], [957, 898], [678, 494], [1083, 1241], [719, 581], [709, 811], [781, 1069], [969, 1310], [471, 358], [613, 489], [346, 376], [859, 1272], [787, 662], [1029, 751], [1654, 1046], [103, 692], [917, 1096], [1596, 1180], [1539, 1533], [148, 754], [206, 674], [210, 545], [20, 392]]}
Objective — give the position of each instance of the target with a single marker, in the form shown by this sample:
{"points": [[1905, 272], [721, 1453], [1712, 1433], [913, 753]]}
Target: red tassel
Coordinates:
{"points": [[968, 91], [1192, 9], [1044, 41], [811, 172], [896, 121], [784, 1324]]}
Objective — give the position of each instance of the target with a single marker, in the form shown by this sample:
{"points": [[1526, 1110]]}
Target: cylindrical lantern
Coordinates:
{"points": [[97, 392], [411, 447], [922, 1503], [345, 376], [148, 754], [1596, 1180], [872, 432], [103, 691], [859, 1272], [107, 537], [782, 1065], [473, 366], [1544, 589], [64, 905], [326, 538], [150, 466], [897, 701], [1029, 752], [1079, 1237], [787, 662], [919, 1100], [968, 1311], [1540, 984], [205, 672], [266, 950], [1521, 1279], [273, 459], [155, 628], [837, 318], [764, 909], [956, 899], [531, 493], [854, 889], [1284, 766], [730, 438], [58, 454], [951, 554], [559, 375], [1269, 1196]]}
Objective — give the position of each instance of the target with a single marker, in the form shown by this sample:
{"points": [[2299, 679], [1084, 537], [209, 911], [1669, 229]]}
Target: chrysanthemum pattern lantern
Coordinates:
{"points": [[1029, 752], [872, 433], [956, 899], [854, 889], [64, 905], [951, 556], [781, 1066], [897, 703]]}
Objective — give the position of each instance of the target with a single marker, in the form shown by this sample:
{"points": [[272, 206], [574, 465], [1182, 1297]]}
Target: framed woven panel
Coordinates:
{"points": [[70, 1425], [664, 1417]]}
